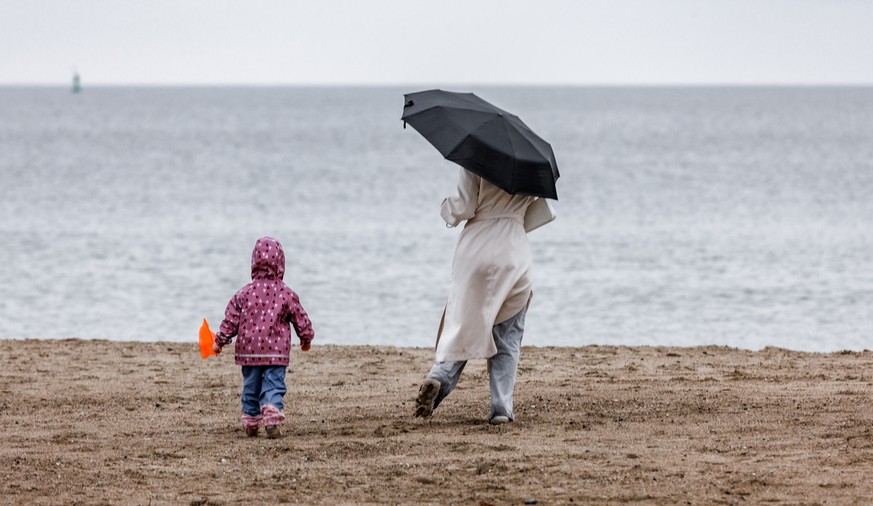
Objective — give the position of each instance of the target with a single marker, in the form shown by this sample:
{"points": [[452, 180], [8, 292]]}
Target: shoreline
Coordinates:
{"points": [[295, 344], [152, 423]]}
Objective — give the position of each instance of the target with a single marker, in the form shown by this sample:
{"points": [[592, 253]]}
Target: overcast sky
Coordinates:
{"points": [[437, 41]]}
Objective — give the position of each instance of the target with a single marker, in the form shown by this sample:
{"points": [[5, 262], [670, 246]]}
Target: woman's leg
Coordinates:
{"points": [[448, 374], [503, 366], [441, 380]]}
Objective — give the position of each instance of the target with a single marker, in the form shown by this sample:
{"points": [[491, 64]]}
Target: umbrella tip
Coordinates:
{"points": [[409, 104]]}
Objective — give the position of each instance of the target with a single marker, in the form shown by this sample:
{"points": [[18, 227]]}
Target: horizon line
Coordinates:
{"points": [[664, 84]]}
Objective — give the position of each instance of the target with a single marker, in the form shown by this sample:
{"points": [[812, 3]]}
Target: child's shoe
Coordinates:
{"points": [[251, 424], [272, 418], [427, 392]]}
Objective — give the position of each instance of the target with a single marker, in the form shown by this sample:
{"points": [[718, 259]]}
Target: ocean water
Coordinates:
{"points": [[687, 216]]}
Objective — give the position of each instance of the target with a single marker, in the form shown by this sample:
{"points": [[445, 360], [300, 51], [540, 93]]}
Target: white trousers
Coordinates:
{"points": [[502, 367]]}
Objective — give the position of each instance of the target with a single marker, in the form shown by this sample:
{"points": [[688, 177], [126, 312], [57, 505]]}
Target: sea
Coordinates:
{"points": [[737, 216]]}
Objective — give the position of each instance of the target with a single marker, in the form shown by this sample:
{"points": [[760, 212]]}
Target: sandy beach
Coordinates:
{"points": [[152, 423]]}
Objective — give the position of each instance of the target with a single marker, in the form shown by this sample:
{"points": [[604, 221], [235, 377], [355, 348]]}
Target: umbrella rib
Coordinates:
{"points": [[514, 157], [537, 148], [467, 136], [480, 103], [482, 107], [532, 144]]}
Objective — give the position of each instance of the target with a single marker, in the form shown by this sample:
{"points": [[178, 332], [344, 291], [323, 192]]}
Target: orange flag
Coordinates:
{"points": [[207, 337]]}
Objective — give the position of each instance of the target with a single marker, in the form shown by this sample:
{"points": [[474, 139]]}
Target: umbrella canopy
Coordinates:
{"points": [[485, 140]]}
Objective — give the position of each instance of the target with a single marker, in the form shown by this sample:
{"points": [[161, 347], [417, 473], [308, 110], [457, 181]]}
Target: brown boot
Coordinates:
{"points": [[427, 392], [251, 431], [274, 432]]}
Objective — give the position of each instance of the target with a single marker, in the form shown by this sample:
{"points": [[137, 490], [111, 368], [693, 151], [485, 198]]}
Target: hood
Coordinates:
{"points": [[268, 259]]}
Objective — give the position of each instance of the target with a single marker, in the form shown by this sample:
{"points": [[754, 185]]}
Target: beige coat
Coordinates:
{"points": [[490, 270]]}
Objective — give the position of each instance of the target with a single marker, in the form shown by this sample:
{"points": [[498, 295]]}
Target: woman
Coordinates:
{"points": [[484, 315]]}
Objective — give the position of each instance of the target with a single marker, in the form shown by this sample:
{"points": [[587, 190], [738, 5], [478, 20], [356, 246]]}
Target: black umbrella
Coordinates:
{"points": [[485, 140]]}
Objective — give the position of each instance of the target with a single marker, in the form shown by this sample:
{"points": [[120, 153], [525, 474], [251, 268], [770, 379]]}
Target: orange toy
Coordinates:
{"points": [[207, 338]]}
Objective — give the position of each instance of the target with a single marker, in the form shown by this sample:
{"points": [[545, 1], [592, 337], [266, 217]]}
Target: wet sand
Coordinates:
{"points": [[152, 423]]}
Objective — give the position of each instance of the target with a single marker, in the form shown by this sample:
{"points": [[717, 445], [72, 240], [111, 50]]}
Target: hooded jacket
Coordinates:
{"points": [[260, 312]]}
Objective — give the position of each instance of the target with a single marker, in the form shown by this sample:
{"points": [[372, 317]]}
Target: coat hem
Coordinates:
{"points": [[460, 357]]}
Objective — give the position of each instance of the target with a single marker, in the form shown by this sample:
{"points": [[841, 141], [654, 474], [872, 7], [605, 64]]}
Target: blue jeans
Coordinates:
{"points": [[262, 384]]}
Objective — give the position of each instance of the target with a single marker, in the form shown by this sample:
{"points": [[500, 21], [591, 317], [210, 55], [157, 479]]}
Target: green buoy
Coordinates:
{"points": [[77, 84]]}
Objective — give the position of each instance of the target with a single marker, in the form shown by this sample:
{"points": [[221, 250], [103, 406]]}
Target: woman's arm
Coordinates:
{"points": [[462, 206]]}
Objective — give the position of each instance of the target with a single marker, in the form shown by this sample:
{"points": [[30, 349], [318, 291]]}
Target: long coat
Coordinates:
{"points": [[490, 270]]}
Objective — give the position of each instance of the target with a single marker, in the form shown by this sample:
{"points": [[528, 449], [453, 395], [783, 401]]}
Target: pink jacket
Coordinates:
{"points": [[260, 312]]}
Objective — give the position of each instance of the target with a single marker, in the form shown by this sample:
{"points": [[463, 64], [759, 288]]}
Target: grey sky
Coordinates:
{"points": [[444, 41]]}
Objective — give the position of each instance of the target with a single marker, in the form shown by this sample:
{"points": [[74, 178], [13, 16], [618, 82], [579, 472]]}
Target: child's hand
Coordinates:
{"points": [[216, 348], [305, 345]]}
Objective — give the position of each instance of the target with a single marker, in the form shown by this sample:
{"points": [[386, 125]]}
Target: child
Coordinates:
{"points": [[259, 314]]}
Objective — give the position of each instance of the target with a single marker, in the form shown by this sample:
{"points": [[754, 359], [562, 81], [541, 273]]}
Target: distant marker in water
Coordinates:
{"points": [[77, 85]]}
